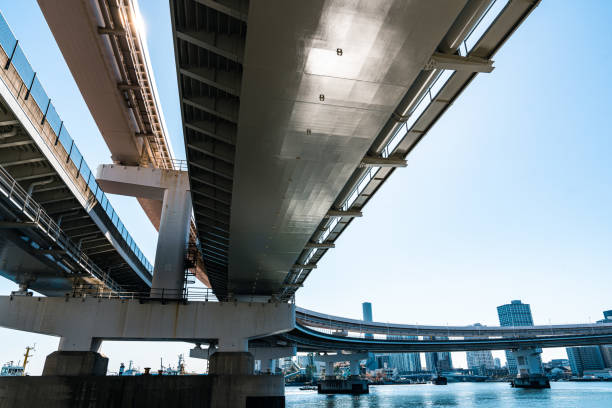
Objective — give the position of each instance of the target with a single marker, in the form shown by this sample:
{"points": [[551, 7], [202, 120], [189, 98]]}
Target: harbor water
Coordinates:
{"points": [[478, 395]]}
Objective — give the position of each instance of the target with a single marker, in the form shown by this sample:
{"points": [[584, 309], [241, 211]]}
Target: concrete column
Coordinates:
{"points": [[270, 365], [269, 355], [354, 368], [169, 269], [528, 362], [171, 187], [329, 370]]}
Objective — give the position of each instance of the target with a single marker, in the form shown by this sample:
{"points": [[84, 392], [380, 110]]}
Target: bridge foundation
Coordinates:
{"points": [[530, 372], [78, 371], [354, 384]]}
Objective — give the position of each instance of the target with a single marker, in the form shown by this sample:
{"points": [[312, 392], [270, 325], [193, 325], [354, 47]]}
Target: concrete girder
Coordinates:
{"points": [[373, 161], [198, 126], [340, 357], [459, 63], [344, 213], [197, 39], [83, 322], [210, 77], [212, 197], [215, 184], [201, 165], [211, 105], [233, 10], [321, 245], [304, 266], [209, 152]]}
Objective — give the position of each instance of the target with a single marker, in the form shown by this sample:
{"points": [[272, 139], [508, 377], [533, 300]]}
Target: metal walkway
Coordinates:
{"points": [[37, 253], [37, 151]]}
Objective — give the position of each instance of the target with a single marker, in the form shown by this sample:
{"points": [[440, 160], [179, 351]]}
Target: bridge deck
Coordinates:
{"points": [[288, 106], [38, 152]]}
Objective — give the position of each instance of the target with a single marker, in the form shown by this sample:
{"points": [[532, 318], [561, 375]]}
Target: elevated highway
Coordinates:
{"points": [[319, 332], [308, 340], [295, 113], [102, 43], [39, 157]]}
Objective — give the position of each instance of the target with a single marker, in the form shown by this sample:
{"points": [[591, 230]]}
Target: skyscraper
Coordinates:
{"points": [[516, 313], [367, 315], [480, 361], [366, 308], [606, 349], [497, 362], [405, 362], [584, 358], [439, 361]]}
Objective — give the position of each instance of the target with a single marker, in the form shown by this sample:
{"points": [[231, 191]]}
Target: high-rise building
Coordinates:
{"points": [[367, 316], [405, 362], [516, 313], [480, 361], [584, 358], [439, 361], [445, 362], [497, 363], [606, 354], [606, 349], [366, 308]]}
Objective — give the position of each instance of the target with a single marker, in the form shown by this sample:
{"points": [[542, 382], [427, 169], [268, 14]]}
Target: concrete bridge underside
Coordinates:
{"points": [[287, 104]]}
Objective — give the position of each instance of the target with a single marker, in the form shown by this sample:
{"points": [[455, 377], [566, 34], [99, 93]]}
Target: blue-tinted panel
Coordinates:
{"points": [[103, 200], [93, 186], [53, 118], [65, 139], [76, 156], [40, 96], [85, 172], [7, 39], [21, 64], [100, 196]]}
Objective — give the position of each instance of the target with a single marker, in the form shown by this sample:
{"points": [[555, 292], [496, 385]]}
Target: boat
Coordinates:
{"points": [[11, 369], [439, 380], [308, 388]]}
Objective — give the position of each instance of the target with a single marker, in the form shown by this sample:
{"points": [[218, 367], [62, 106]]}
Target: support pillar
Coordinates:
{"points": [[355, 368], [171, 218], [169, 268], [77, 356], [529, 366], [353, 384], [268, 356], [329, 370], [82, 323]]}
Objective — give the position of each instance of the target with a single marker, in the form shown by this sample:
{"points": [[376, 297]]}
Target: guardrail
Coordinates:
{"points": [[32, 212], [26, 87], [164, 295]]}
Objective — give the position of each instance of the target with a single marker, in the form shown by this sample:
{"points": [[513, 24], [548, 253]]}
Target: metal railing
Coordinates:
{"points": [[30, 86], [185, 294], [32, 212]]}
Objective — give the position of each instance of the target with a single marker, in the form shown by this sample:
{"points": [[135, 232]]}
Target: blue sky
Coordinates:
{"points": [[508, 196]]}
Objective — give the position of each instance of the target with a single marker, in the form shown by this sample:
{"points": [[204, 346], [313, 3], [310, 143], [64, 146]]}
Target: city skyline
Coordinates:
{"points": [[440, 172]]}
